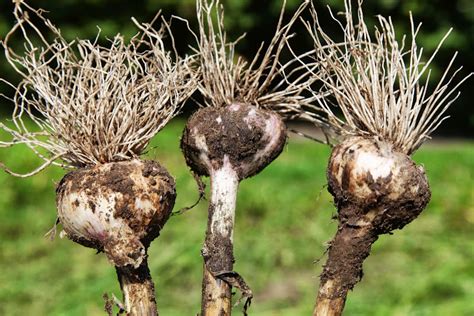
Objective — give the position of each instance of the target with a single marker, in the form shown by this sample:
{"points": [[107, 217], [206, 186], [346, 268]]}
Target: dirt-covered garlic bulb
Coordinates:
{"points": [[384, 185], [387, 113], [235, 135], [96, 109], [245, 137], [118, 208]]}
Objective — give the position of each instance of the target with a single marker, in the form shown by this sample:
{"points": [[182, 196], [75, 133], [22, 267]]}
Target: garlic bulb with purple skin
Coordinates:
{"points": [[228, 144], [387, 108], [96, 108], [119, 208], [376, 189], [237, 133]]}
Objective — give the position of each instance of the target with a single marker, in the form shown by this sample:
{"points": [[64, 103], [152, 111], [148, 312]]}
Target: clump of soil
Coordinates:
{"points": [[218, 251]]}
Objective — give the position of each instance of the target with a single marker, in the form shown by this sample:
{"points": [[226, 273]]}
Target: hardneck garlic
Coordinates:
{"points": [[386, 109], [376, 189], [247, 137], [228, 144], [95, 109], [236, 133], [119, 208]]}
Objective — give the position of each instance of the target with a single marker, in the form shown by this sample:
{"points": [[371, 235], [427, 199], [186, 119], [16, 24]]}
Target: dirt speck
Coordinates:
{"points": [[92, 206]]}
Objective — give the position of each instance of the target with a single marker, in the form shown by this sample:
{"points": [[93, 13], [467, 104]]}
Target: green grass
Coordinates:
{"points": [[283, 224]]}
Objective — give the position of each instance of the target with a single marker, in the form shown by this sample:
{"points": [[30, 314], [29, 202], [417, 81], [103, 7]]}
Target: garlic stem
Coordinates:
{"points": [[138, 290], [218, 251]]}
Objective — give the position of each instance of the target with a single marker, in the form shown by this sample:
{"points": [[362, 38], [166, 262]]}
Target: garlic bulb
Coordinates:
{"points": [[249, 137], [384, 185], [118, 207]]}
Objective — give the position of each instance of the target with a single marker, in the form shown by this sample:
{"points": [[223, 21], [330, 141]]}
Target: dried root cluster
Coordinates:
{"points": [[91, 103], [264, 81], [380, 84]]}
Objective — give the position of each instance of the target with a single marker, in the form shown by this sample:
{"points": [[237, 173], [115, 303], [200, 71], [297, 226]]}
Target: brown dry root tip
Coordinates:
{"points": [[215, 284], [236, 281], [228, 144], [202, 196], [110, 302], [377, 189], [119, 208]]}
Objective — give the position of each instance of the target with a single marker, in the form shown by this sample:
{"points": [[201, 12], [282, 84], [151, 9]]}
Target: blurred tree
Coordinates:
{"points": [[81, 18]]}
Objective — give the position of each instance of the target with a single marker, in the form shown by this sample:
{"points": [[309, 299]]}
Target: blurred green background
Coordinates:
{"points": [[284, 221], [284, 216]]}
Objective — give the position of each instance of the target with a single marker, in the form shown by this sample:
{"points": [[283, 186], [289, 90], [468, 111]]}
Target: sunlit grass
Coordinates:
{"points": [[283, 224]]}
